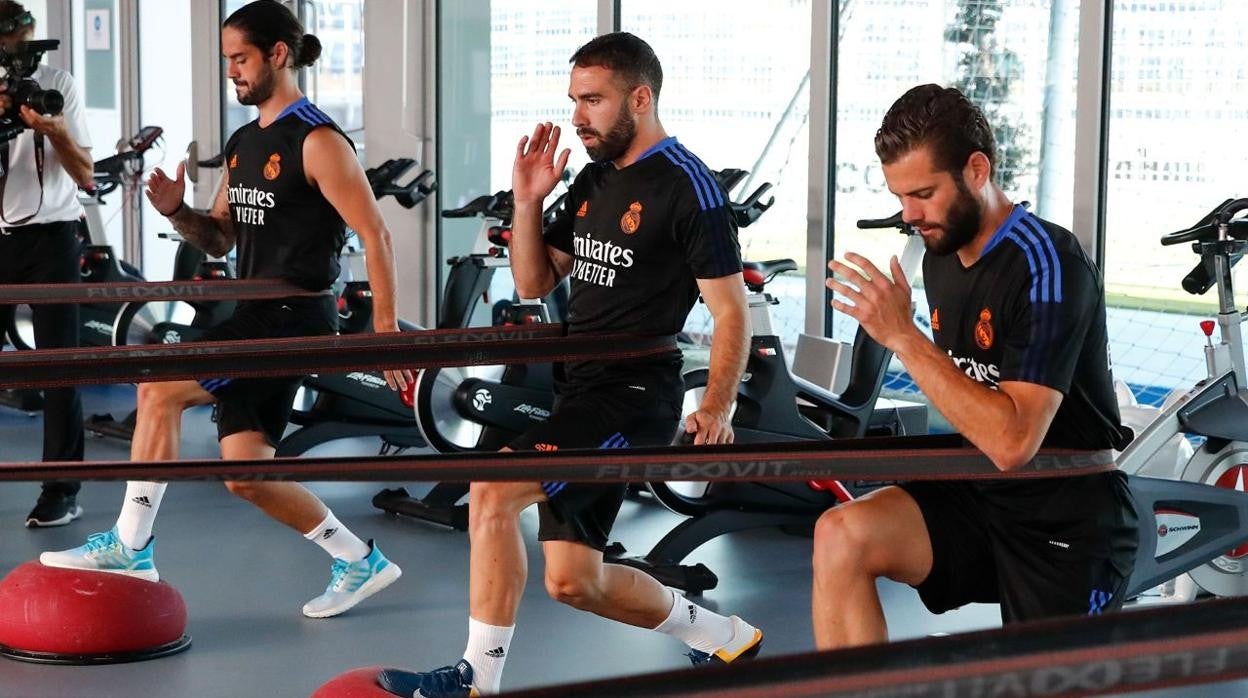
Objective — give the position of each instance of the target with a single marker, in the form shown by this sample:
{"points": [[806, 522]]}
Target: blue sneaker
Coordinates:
{"points": [[352, 582], [104, 552], [447, 682], [746, 641]]}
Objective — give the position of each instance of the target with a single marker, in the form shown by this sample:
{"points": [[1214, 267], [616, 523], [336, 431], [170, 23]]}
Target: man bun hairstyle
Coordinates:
{"points": [[267, 22], [630, 58], [941, 118]]}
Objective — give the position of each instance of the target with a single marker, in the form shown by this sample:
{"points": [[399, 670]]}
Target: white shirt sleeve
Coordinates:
{"points": [[75, 116]]}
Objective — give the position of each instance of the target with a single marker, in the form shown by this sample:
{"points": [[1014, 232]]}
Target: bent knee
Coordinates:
{"points": [[490, 500], [242, 488], [577, 592], [844, 540], [163, 396]]}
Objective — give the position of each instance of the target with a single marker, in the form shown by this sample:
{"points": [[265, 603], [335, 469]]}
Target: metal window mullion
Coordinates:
{"points": [[821, 170], [60, 25], [206, 92], [1092, 127], [608, 16], [128, 42]]}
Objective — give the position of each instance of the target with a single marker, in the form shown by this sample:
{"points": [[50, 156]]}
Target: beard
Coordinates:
{"points": [[617, 140], [961, 223], [259, 91]]}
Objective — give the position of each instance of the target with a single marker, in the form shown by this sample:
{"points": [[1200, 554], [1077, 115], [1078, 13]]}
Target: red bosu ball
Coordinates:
{"points": [[65, 616], [357, 683]]}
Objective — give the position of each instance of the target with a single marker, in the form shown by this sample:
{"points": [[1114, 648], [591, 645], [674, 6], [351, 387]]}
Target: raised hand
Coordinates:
{"points": [[164, 193], [536, 170]]}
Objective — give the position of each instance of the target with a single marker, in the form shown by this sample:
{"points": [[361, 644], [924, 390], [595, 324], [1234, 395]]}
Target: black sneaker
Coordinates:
{"points": [[53, 510]]}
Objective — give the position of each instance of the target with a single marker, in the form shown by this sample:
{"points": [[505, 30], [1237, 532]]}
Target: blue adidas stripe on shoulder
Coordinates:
{"points": [[311, 115], [704, 186], [1042, 260]]}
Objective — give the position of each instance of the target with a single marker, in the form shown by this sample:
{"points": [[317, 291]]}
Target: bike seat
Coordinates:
{"points": [[757, 274]]}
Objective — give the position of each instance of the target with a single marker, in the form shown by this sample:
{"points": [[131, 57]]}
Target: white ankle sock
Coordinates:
{"points": [[138, 512], [487, 653], [338, 540], [703, 630]]}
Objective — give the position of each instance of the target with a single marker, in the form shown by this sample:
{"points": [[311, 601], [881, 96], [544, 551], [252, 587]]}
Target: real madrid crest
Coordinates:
{"points": [[631, 220], [983, 330], [273, 167]]}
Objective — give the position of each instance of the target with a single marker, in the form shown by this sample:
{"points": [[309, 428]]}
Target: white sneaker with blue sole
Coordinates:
{"points": [[352, 582], [104, 552]]}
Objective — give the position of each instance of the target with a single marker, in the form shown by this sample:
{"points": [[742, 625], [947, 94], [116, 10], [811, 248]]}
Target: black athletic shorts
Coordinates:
{"points": [[642, 412], [1040, 548], [264, 404]]}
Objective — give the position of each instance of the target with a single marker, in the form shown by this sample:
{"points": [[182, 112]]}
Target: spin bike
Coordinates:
{"points": [[360, 403], [1195, 521], [775, 405], [516, 396]]}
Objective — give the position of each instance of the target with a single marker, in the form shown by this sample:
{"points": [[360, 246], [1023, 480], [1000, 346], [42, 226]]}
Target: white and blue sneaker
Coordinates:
{"points": [[352, 582], [104, 552], [447, 682]]}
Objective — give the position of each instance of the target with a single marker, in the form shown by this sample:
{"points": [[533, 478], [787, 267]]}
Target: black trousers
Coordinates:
{"points": [[48, 253]]}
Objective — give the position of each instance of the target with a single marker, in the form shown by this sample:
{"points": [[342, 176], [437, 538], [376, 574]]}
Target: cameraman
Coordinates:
{"points": [[39, 242]]}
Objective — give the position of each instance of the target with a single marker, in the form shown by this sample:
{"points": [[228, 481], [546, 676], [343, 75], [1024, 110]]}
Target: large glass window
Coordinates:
{"points": [[503, 68], [165, 100], [335, 83], [1015, 58], [736, 86], [97, 68], [1176, 107]]}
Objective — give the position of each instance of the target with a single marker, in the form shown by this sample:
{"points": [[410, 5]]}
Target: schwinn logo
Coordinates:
{"points": [[1174, 529], [367, 379], [172, 337]]}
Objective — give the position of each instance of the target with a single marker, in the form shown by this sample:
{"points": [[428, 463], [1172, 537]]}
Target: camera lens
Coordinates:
{"points": [[46, 101]]}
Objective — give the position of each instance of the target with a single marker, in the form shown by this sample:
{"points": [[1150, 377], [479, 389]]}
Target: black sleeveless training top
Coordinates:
{"points": [[286, 228]]}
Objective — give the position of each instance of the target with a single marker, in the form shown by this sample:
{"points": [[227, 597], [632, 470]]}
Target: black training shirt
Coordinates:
{"points": [[286, 229], [640, 238], [1031, 309]]}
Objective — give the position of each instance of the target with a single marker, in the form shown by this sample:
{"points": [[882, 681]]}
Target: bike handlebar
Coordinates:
{"points": [[383, 180], [893, 221]]}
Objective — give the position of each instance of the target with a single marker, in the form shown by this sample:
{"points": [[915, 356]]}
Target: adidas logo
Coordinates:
{"points": [[496, 653], [329, 533], [143, 500], [693, 614]]}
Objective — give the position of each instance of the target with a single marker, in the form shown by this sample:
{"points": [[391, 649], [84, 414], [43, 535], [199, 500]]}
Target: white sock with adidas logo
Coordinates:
{"points": [[138, 512], [338, 540], [487, 653], [703, 630]]}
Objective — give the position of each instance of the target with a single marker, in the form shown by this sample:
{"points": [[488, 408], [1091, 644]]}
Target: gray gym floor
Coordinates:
{"points": [[245, 577]]}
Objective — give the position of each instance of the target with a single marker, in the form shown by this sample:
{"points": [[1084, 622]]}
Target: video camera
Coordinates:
{"points": [[17, 64]]}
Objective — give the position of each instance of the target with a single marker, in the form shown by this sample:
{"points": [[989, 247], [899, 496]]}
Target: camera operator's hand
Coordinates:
{"points": [[49, 126], [166, 194]]}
